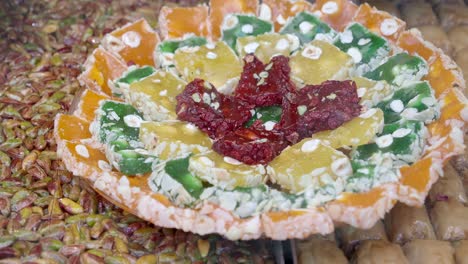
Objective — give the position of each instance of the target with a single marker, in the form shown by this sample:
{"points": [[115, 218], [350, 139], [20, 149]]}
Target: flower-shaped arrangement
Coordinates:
{"points": [[274, 119]]}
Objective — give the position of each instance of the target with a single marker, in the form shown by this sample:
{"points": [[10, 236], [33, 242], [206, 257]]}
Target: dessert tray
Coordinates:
{"points": [[276, 119]]}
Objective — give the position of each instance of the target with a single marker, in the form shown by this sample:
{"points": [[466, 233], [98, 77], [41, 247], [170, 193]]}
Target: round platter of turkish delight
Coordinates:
{"points": [[273, 119]]}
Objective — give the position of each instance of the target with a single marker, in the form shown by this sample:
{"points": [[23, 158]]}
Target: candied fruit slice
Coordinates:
{"points": [[269, 116], [278, 11], [71, 128], [166, 49], [264, 85], [306, 27], [235, 26], [219, 9], [171, 140], [337, 13], [226, 172], [379, 22], [212, 112], [359, 131], [294, 171], [134, 42], [176, 22], [319, 61], [267, 45], [250, 146], [326, 106], [371, 92], [399, 69], [131, 76], [214, 63], [154, 96], [413, 42], [415, 101], [366, 48], [443, 75], [89, 102], [102, 68]]}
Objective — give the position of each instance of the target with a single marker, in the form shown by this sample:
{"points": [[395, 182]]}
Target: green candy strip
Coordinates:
{"points": [[178, 170]]}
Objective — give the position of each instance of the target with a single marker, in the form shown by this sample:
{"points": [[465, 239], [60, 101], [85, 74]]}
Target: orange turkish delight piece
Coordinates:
{"points": [[413, 42], [134, 42], [71, 128], [220, 8], [417, 176], [337, 13], [88, 103], [379, 22], [363, 199], [84, 160], [101, 68], [278, 11], [444, 74], [175, 22]]}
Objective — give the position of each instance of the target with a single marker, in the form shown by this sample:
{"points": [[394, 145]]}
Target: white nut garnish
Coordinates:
{"points": [[428, 101], [82, 150], [265, 12], [310, 145], [230, 22], [384, 141], [301, 109], [247, 28], [363, 41], [397, 106], [189, 49], [210, 46], [330, 7], [251, 47], [163, 93], [282, 44], [368, 113], [131, 39], [281, 20], [401, 132], [206, 161], [232, 161], [312, 52], [361, 91], [103, 165], [211, 55], [464, 114], [132, 120], [346, 37], [388, 27], [269, 125], [355, 54], [341, 167], [305, 27]]}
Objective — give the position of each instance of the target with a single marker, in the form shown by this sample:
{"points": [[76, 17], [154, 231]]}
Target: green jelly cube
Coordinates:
{"points": [[364, 46], [166, 49], [306, 26], [130, 162], [119, 121], [178, 170], [235, 26], [415, 101], [266, 114], [399, 69]]}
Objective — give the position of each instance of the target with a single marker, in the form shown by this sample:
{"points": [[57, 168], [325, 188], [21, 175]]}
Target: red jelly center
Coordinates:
{"points": [[305, 111]]}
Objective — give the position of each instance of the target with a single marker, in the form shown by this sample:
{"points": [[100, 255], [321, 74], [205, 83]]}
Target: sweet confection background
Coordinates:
{"points": [[49, 216]]}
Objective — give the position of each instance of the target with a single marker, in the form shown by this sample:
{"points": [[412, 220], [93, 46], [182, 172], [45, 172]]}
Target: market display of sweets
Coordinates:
{"points": [[274, 119]]}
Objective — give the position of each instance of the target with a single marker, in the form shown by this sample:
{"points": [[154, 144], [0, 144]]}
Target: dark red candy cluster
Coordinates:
{"points": [[304, 112]]}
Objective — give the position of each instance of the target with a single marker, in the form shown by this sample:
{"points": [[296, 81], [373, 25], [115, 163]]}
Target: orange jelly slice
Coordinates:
{"points": [[88, 104], [413, 42], [278, 11], [176, 22], [84, 160], [220, 8], [337, 13], [443, 74], [380, 22], [417, 175], [72, 128], [364, 199], [282, 216], [101, 68], [138, 41]]}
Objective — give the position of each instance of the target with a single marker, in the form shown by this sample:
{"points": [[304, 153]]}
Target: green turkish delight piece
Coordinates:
{"points": [[133, 75], [235, 26], [415, 101], [178, 170], [166, 49], [131, 162], [307, 27], [364, 46], [266, 114], [400, 69]]}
